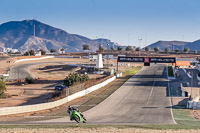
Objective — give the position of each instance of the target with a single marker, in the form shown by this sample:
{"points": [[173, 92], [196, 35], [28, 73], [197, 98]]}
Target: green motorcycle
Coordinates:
{"points": [[75, 115]]}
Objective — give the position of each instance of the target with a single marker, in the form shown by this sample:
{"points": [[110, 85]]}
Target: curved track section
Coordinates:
{"points": [[141, 100]]}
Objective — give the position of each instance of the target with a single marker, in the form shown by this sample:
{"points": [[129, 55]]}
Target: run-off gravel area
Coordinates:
{"points": [[92, 130]]}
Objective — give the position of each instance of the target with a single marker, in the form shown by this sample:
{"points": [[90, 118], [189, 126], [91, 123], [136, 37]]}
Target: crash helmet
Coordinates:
{"points": [[69, 107]]}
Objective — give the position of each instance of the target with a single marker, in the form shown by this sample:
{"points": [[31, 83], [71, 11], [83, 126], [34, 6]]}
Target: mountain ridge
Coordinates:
{"points": [[19, 35]]}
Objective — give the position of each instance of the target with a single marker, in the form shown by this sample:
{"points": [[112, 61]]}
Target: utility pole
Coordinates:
{"points": [[191, 83], [139, 45], [108, 56], [34, 31]]}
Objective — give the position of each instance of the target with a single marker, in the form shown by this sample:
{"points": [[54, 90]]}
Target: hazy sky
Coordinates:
{"points": [[122, 21]]}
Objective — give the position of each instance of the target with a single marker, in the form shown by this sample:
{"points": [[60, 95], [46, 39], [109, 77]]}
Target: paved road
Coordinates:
{"points": [[141, 100], [22, 71]]}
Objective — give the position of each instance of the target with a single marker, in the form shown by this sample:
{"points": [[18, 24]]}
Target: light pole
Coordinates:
{"points": [[107, 55], [191, 83], [139, 44]]}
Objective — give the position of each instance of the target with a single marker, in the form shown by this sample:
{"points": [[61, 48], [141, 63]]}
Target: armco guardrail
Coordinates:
{"points": [[43, 106], [30, 59]]}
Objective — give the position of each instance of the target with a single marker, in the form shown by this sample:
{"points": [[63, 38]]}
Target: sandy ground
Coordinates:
{"points": [[92, 130], [41, 91]]}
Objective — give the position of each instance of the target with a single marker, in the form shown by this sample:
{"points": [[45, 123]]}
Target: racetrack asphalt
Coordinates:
{"points": [[22, 71], [143, 99]]}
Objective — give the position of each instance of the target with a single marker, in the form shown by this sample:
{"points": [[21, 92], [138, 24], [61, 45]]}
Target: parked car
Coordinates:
{"points": [[60, 87]]}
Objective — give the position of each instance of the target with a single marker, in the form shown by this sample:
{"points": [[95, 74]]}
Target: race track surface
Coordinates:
{"points": [[143, 99]]}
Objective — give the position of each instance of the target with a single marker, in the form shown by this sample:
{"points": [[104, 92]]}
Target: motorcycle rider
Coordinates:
{"points": [[70, 111]]}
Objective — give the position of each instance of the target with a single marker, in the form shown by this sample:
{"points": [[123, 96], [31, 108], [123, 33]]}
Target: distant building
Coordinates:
{"points": [[1, 49], [39, 53], [61, 51], [10, 50]]}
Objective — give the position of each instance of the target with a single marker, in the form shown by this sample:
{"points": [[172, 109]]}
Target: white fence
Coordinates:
{"points": [[30, 59], [43, 106]]}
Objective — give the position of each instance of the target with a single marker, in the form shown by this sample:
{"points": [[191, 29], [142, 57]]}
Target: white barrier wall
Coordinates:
{"points": [[193, 105], [43, 106], [182, 90], [30, 59]]}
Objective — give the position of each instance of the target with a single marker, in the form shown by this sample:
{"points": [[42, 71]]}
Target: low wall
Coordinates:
{"points": [[182, 90], [181, 101], [193, 105], [30, 59], [43, 106]]}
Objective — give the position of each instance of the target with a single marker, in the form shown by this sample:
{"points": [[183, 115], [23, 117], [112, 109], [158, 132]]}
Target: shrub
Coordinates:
{"points": [[2, 87], [73, 78], [170, 71], [29, 80]]}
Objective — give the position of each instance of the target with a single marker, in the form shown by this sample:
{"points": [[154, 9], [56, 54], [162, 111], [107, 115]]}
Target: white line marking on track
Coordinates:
{"points": [[170, 98], [151, 92], [151, 89]]}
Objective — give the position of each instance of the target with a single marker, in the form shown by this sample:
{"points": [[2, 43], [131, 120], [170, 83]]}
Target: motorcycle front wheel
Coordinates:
{"points": [[76, 118]]}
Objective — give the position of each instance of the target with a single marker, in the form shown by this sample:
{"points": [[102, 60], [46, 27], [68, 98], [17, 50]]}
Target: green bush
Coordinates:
{"points": [[2, 87], [170, 71], [29, 80], [73, 78]]}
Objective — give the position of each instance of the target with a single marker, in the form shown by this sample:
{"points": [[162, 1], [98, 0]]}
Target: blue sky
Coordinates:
{"points": [[122, 21]]}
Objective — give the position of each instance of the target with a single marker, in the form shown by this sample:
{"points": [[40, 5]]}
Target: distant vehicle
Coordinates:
{"points": [[60, 87]]}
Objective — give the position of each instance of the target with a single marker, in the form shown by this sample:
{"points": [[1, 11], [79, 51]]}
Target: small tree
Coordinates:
{"points": [[147, 49], [119, 48], [2, 87], [186, 50], [26, 53], [62, 50], [167, 50], [176, 51], [86, 47], [43, 52], [138, 49], [52, 50], [29, 80], [74, 78], [157, 49], [129, 48], [31, 52], [101, 48], [112, 48]]}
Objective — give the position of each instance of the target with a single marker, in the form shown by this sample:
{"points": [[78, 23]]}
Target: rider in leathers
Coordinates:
{"points": [[70, 111]]}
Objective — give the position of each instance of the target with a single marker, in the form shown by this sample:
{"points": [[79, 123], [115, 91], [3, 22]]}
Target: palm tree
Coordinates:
{"points": [[157, 49], [167, 50]]}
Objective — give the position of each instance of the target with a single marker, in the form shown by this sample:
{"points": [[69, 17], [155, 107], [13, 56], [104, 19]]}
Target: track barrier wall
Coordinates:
{"points": [[44, 106]]}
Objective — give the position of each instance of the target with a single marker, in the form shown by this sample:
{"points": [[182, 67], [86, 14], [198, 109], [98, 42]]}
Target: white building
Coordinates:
{"points": [[60, 51]]}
